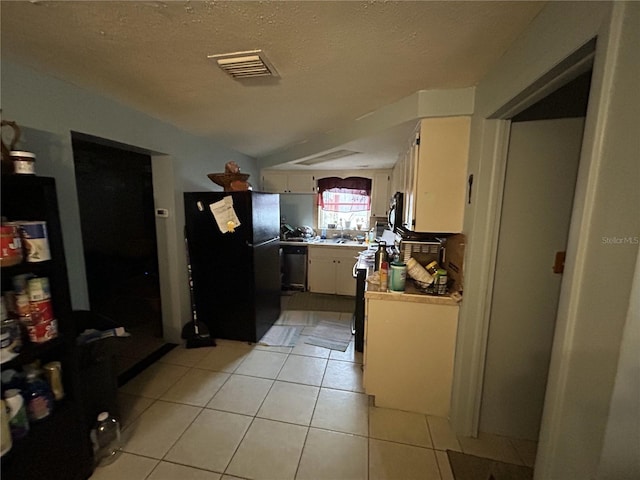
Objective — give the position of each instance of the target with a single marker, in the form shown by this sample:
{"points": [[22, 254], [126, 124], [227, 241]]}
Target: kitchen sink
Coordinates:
{"points": [[337, 241]]}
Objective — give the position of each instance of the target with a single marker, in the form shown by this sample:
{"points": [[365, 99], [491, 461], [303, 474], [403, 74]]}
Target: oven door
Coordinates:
{"points": [[358, 314]]}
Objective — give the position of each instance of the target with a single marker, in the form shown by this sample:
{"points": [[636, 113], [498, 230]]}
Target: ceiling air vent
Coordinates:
{"points": [[249, 64], [327, 157]]}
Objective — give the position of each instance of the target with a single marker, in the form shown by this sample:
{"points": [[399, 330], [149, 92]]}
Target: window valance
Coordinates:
{"points": [[355, 194]]}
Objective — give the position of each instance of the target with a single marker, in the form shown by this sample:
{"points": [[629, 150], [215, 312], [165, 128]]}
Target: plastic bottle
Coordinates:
{"points": [[384, 276], [105, 437], [38, 397], [372, 235]]}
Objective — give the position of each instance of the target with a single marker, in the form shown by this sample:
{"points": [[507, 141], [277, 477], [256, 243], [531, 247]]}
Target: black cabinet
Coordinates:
{"points": [[57, 447]]}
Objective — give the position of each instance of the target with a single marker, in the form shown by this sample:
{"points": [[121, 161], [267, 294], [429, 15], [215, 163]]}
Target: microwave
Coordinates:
{"points": [[396, 212]]}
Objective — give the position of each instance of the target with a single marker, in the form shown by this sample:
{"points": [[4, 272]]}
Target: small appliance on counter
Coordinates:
{"points": [[298, 234]]}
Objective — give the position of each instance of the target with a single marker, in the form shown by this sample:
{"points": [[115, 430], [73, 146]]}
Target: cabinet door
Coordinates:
{"points": [[380, 195], [322, 275], [397, 177], [345, 284], [301, 183], [411, 183], [274, 182], [418, 340], [441, 174]]}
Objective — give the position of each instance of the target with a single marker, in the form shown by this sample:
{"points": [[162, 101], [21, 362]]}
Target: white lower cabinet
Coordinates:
{"points": [[408, 355], [331, 270]]}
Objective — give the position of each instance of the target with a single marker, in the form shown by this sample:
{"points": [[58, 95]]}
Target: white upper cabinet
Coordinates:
{"points": [[435, 169], [287, 182], [380, 195], [301, 183]]}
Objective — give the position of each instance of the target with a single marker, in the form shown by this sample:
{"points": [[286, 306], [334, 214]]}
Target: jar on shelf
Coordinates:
{"points": [[440, 282], [24, 163], [432, 268]]}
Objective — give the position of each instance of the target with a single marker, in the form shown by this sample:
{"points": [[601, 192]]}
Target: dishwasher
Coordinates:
{"points": [[294, 267]]}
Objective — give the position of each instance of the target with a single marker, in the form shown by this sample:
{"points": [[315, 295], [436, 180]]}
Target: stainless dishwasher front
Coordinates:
{"points": [[294, 268]]}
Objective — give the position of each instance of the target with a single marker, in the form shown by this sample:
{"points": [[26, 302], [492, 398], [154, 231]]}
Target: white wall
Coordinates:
{"points": [[591, 317], [298, 209], [620, 458], [49, 109]]}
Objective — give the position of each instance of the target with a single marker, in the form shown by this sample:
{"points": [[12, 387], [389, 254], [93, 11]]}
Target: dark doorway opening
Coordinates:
{"points": [[115, 196]]}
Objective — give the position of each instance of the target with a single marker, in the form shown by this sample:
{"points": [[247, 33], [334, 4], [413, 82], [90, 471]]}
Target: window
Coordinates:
{"points": [[344, 203]]}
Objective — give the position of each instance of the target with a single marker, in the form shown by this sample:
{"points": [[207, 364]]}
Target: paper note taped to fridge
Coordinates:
{"points": [[225, 215]]}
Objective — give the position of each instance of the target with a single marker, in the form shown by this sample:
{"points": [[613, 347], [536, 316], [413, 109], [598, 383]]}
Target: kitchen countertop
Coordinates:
{"points": [[326, 243], [411, 293]]}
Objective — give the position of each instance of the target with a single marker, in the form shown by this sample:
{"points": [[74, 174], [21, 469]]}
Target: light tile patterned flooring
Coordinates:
{"points": [[258, 412]]}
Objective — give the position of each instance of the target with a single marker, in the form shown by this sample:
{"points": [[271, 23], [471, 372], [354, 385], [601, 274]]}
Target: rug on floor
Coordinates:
{"points": [[333, 335], [320, 302], [281, 336], [470, 467]]}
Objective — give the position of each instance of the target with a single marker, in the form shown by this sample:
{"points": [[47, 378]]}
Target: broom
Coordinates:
{"points": [[194, 333]]}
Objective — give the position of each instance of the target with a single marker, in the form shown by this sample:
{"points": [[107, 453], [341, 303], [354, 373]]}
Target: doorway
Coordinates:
{"points": [[116, 203], [542, 164]]}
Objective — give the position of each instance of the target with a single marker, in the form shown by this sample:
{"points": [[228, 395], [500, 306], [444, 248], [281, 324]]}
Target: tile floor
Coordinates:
{"points": [[240, 411]]}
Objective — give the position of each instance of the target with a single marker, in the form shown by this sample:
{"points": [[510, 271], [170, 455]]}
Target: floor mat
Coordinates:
{"points": [[470, 467], [333, 335], [281, 336]]}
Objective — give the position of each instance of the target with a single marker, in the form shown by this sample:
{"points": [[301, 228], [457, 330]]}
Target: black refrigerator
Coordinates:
{"points": [[236, 275]]}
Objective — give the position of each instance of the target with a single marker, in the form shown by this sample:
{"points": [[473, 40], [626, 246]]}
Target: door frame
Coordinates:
{"points": [[472, 342]]}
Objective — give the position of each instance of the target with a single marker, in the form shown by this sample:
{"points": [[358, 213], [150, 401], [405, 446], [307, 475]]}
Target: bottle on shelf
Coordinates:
{"points": [[53, 373], [105, 437], [39, 398]]}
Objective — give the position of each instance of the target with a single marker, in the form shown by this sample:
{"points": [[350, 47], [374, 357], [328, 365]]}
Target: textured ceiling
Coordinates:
{"points": [[337, 60]]}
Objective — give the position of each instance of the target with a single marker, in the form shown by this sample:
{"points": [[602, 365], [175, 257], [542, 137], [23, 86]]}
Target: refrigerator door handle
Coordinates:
{"points": [[263, 243]]}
